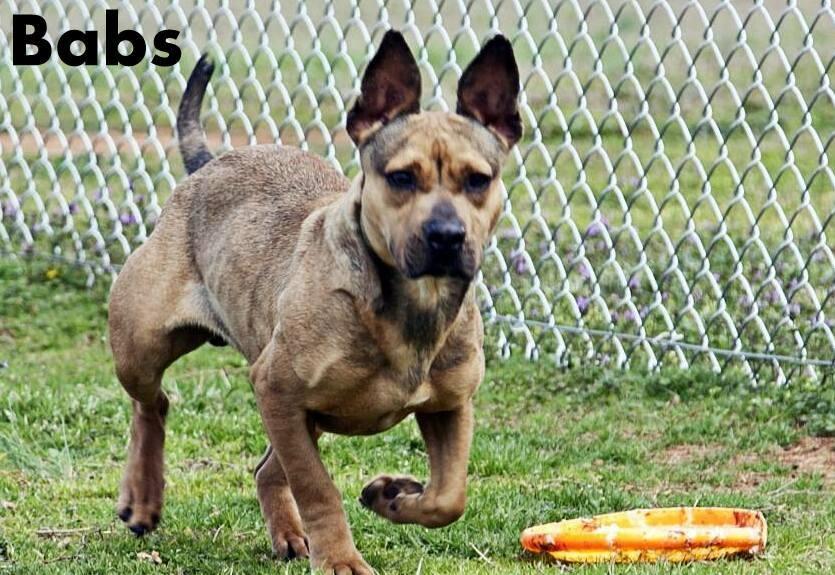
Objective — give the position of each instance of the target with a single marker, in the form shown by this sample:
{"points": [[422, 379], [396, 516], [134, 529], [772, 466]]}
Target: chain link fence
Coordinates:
{"points": [[671, 203]]}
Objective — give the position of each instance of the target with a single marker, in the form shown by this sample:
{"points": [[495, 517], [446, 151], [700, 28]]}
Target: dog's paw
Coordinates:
{"points": [[354, 565], [284, 524], [385, 494], [140, 501], [141, 518], [290, 545]]}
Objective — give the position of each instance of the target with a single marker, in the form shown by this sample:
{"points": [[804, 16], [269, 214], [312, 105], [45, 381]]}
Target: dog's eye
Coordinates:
{"points": [[477, 182], [402, 180]]}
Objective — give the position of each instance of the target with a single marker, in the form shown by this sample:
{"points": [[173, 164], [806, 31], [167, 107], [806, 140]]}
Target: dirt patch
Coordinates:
{"points": [[750, 480], [809, 456], [688, 453], [813, 455]]}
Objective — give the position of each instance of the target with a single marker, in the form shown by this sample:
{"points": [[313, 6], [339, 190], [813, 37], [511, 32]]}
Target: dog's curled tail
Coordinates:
{"points": [[192, 140]]}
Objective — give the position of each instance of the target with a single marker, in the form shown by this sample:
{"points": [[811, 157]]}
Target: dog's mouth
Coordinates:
{"points": [[439, 270], [419, 261]]}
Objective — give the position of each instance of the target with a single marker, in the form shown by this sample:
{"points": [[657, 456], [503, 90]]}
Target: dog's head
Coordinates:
{"points": [[431, 198]]}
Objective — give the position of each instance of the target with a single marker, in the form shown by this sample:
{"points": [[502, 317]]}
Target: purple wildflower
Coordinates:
{"points": [[584, 271], [818, 256], [99, 195], [72, 207], [127, 218], [9, 209], [615, 316], [597, 227], [644, 312], [634, 282], [519, 262], [772, 296], [583, 304], [630, 315]]}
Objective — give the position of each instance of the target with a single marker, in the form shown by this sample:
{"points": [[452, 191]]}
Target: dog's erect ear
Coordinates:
{"points": [[390, 88], [489, 88]]}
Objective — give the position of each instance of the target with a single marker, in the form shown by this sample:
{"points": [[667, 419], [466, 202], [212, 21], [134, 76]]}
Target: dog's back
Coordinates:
{"points": [[250, 201], [244, 212], [236, 215], [255, 199]]}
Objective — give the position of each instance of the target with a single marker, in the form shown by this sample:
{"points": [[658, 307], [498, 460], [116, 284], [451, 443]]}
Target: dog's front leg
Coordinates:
{"points": [[448, 436], [290, 429]]}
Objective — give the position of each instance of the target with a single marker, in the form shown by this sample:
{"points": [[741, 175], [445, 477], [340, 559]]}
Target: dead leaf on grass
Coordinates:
{"points": [[152, 557]]}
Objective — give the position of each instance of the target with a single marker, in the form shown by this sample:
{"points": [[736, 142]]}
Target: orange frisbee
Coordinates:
{"points": [[667, 534]]}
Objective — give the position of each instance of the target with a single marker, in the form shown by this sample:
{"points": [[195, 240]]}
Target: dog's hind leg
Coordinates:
{"points": [[279, 509], [139, 367], [140, 496], [148, 311]]}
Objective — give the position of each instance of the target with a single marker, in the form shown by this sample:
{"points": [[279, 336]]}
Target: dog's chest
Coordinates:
{"points": [[367, 374], [368, 392], [362, 393]]}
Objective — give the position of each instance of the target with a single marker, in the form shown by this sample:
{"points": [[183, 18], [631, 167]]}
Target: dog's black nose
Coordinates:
{"points": [[444, 235]]}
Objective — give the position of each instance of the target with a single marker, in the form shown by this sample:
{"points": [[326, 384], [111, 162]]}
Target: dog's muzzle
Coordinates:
{"points": [[444, 239], [441, 251]]}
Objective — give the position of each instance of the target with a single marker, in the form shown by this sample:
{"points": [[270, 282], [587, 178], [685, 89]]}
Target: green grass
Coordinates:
{"points": [[550, 444]]}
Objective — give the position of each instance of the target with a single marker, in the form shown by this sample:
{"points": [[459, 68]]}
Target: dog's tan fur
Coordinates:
{"points": [[318, 282]]}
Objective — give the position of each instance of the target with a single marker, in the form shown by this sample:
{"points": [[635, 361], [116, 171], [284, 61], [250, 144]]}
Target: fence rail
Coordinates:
{"points": [[672, 201]]}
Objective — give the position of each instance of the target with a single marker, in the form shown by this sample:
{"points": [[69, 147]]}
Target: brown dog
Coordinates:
{"points": [[352, 301]]}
